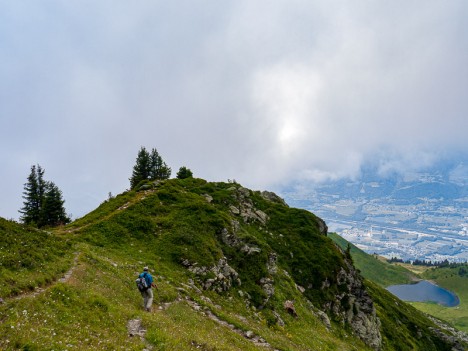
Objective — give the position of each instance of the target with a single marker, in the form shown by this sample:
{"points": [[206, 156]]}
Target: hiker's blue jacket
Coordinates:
{"points": [[148, 278]]}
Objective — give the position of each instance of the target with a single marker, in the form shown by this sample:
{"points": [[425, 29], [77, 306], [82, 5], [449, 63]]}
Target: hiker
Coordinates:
{"points": [[147, 293]]}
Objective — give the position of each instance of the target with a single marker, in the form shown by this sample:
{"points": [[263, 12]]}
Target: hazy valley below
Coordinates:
{"points": [[421, 216]]}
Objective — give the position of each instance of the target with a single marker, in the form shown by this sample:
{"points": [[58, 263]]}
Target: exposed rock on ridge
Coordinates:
{"points": [[220, 277], [270, 196], [355, 307], [246, 209]]}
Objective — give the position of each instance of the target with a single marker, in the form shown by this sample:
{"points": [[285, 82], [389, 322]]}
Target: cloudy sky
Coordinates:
{"points": [[264, 92]]}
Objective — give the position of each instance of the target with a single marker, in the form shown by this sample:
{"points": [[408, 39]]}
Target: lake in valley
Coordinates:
{"points": [[424, 291]]}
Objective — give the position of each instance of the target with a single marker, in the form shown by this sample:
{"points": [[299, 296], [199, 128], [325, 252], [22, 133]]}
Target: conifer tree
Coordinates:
{"points": [[32, 195], [184, 172], [53, 212], [165, 172], [149, 167], [155, 164], [141, 170], [159, 168], [43, 203]]}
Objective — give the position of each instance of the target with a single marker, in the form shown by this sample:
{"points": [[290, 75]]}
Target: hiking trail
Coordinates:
{"points": [[39, 290]]}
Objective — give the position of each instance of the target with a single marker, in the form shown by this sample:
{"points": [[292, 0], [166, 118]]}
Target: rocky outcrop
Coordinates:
{"points": [[231, 239], [272, 263], [323, 228], [355, 307], [449, 334], [219, 277], [245, 207], [324, 318], [135, 328], [247, 334], [268, 288], [450, 339], [270, 196], [351, 304]]}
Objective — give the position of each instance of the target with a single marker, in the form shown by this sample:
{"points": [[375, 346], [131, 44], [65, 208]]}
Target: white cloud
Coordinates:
{"points": [[257, 91]]}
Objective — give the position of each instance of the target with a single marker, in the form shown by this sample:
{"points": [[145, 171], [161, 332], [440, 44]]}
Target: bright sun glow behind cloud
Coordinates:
{"points": [[286, 97]]}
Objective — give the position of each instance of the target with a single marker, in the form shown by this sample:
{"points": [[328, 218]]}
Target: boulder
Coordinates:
{"points": [[289, 307], [270, 196], [135, 328], [208, 198], [324, 318], [262, 216]]}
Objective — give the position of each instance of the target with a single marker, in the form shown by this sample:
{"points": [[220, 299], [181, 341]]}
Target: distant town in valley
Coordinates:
{"points": [[419, 216]]}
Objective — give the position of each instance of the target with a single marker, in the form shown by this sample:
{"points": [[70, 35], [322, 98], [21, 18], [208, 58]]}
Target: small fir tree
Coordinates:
{"points": [[348, 252], [184, 172]]}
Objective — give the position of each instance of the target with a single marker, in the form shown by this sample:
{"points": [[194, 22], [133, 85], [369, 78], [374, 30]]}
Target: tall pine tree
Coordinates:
{"points": [[149, 166], [159, 168], [141, 170], [43, 203], [53, 212], [33, 193]]}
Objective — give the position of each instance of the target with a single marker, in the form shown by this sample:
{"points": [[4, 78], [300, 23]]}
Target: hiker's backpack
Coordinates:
{"points": [[141, 283]]}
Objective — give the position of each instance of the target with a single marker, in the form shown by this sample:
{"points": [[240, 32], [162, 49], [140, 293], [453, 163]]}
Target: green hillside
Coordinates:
{"points": [[454, 279], [374, 269], [227, 261], [30, 258]]}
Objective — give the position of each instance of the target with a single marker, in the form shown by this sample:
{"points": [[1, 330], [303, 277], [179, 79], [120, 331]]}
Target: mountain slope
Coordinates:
{"points": [[236, 270], [30, 258], [372, 268], [456, 280]]}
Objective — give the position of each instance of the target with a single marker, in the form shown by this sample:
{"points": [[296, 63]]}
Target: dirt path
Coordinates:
{"points": [[62, 279]]}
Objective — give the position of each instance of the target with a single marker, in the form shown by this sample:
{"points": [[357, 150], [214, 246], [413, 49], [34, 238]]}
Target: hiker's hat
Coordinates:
{"points": [[145, 268]]}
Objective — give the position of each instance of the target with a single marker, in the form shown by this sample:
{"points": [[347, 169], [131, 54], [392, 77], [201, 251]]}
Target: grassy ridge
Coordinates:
{"points": [[173, 221], [176, 217], [92, 309]]}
